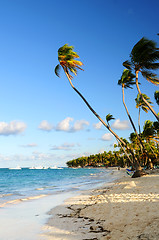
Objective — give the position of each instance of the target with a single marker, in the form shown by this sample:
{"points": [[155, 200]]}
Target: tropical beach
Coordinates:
{"points": [[109, 205], [128, 209], [79, 120]]}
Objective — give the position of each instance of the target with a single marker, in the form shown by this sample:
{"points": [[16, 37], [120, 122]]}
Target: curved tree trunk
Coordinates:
{"points": [[100, 119], [145, 101], [139, 121], [124, 151], [141, 143], [142, 147], [130, 116]]}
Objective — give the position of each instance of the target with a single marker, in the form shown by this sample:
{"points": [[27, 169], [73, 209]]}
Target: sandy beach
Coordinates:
{"points": [[126, 209]]}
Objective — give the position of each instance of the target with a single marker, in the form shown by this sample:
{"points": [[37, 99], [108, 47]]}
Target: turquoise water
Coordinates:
{"points": [[27, 183]]}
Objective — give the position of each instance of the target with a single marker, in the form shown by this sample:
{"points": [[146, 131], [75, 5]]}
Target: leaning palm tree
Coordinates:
{"points": [[140, 104], [67, 59], [126, 81], [143, 59]]}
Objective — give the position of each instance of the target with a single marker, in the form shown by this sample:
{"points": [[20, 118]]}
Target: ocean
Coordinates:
{"points": [[27, 184], [27, 195]]}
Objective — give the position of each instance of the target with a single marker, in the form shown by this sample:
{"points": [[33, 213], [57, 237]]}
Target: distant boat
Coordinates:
{"points": [[16, 168], [45, 167], [32, 168], [55, 167], [39, 167]]}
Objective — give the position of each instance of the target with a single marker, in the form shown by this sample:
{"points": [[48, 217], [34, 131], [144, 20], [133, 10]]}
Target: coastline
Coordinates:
{"points": [[125, 209], [25, 211]]}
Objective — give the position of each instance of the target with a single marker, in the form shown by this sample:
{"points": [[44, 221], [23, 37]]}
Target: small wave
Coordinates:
{"points": [[15, 201], [34, 197], [5, 195], [46, 187], [39, 189], [10, 202]]}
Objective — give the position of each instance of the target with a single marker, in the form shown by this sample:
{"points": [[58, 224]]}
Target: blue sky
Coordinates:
{"points": [[42, 120]]}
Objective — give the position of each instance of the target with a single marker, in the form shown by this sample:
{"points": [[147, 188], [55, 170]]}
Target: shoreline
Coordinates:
{"points": [[30, 213], [26, 219], [124, 209]]}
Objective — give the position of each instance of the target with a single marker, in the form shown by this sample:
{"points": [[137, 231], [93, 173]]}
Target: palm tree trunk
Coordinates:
{"points": [[131, 120], [141, 143], [100, 119], [129, 114], [124, 150], [145, 101], [139, 121]]}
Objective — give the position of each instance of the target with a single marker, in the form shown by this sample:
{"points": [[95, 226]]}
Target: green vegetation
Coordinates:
{"points": [[142, 150], [118, 157]]}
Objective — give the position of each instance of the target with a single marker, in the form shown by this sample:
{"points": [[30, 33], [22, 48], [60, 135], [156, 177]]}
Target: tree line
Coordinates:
{"points": [[122, 158]]}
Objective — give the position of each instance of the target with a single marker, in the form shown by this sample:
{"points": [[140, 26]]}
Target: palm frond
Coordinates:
{"points": [[148, 129], [151, 77], [109, 117], [140, 103], [150, 65], [156, 126], [73, 70], [66, 57], [144, 54], [57, 70], [127, 79], [156, 96], [127, 64], [142, 50]]}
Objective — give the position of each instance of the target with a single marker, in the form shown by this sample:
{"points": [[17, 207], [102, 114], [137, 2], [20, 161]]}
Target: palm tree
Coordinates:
{"points": [[149, 133], [156, 127], [143, 59], [134, 141], [108, 118], [140, 104], [126, 81], [156, 95], [66, 57]]}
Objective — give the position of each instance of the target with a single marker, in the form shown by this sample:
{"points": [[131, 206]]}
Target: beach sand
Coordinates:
{"points": [[128, 209]]}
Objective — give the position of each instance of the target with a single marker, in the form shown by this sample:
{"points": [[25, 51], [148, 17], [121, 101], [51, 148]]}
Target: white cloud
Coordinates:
{"points": [[64, 125], [97, 125], [30, 145], [45, 125], [12, 128], [39, 156], [121, 125], [65, 146], [79, 125], [107, 137]]}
